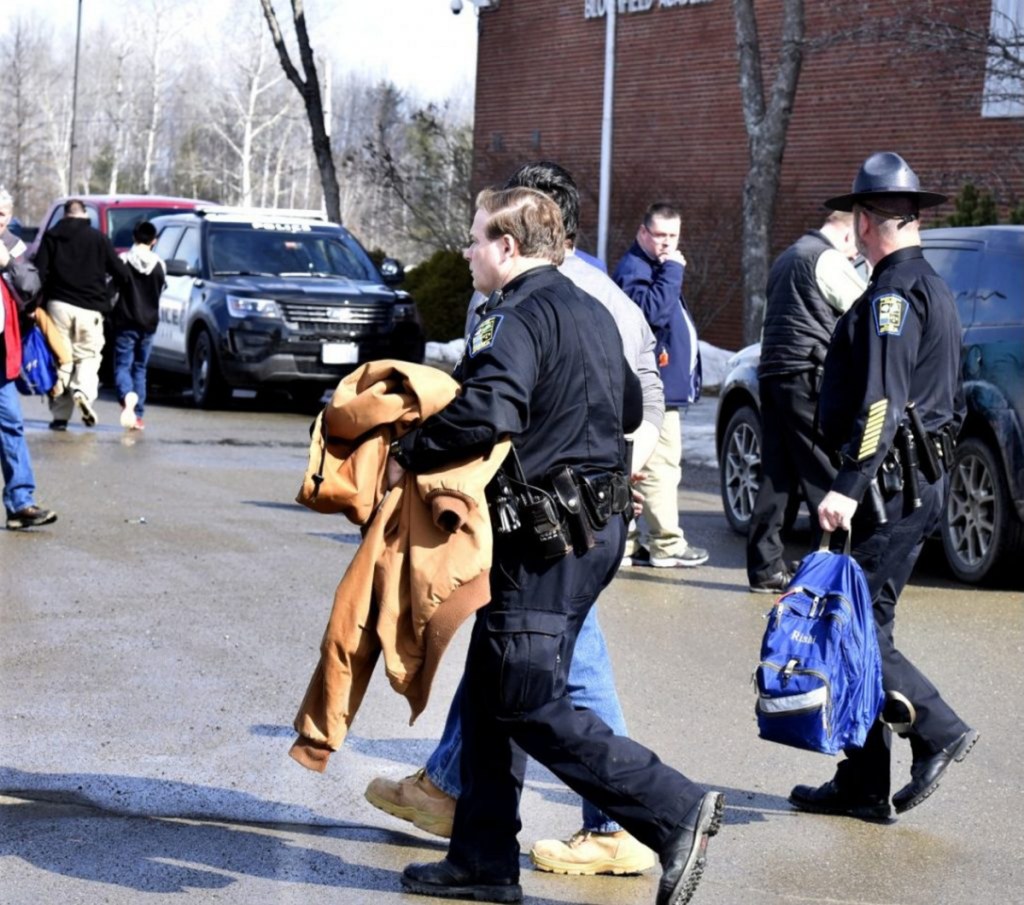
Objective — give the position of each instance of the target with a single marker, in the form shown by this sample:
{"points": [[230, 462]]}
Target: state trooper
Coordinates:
{"points": [[545, 368], [891, 405]]}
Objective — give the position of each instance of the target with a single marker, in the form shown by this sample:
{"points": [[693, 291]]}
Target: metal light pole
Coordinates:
{"points": [[608, 108], [74, 104]]}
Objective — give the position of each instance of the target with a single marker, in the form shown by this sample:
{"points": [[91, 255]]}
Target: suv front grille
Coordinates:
{"points": [[336, 315]]}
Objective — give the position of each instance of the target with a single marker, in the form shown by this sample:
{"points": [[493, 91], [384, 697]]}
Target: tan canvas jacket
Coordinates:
{"points": [[423, 564]]}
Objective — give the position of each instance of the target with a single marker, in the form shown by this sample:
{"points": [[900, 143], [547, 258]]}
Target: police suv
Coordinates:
{"points": [[263, 297]]}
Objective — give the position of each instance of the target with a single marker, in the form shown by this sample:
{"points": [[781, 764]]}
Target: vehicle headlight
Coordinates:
{"points": [[405, 311], [243, 306]]}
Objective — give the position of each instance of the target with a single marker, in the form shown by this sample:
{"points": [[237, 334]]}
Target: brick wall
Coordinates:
{"points": [[678, 129]]}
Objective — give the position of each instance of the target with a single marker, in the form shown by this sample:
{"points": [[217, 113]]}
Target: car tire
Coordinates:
{"points": [[740, 469], [979, 526], [208, 386]]}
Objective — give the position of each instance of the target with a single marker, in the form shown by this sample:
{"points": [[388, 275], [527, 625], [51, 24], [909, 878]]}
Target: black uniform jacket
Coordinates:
{"points": [[545, 367], [899, 342]]}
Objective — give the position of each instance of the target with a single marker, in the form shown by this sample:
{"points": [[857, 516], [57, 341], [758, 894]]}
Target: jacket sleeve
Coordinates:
{"points": [[115, 266], [494, 401], [656, 289], [42, 259], [650, 379], [20, 272]]}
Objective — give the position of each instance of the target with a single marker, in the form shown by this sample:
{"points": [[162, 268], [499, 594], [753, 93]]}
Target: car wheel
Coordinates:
{"points": [[978, 525], [740, 469], [208, 387]]}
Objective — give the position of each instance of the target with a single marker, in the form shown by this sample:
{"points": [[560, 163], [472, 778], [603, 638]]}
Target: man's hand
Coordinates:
{"points": [[674, 255], [638, 497], [836, 511]]}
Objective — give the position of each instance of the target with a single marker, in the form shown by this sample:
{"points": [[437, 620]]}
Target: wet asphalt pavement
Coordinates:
{"points": [[157, 640]]}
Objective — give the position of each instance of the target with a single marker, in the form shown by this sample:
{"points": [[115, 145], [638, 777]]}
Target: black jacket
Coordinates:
{"points": [[138, 308], [798, 322], [544, 367], [900, 342], [74, 260]]}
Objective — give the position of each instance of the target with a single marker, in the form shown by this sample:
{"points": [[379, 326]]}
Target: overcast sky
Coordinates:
{"points": [[418, 44]]}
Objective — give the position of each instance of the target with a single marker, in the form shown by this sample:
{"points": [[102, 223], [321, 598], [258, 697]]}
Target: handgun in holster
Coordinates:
{"points": [[890, 475], [567, 493]]}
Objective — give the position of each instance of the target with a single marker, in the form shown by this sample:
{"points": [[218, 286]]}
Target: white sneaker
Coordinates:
{"points": [[128, 410], [690, 557], [88, 414]]}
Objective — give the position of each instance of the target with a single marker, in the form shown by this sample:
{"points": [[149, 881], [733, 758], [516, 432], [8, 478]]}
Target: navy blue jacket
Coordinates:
{"points": [[658, 290]]}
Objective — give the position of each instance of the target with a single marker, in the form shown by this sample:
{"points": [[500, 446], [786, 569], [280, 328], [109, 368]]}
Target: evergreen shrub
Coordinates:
{"points": [[441, 287]]}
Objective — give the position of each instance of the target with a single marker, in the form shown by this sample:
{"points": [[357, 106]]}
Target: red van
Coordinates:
{"points": [[116, 215]]}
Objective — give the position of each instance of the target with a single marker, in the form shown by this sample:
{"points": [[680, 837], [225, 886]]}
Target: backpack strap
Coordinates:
{"points": [[826, 542]]}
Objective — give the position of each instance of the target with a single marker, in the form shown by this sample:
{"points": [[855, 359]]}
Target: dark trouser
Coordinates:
{"points": [[515, 704], [887, 553], [790, 455]]}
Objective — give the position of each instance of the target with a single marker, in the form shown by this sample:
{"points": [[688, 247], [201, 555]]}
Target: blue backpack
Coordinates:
{"points": [[38, 369], [819, 682]]}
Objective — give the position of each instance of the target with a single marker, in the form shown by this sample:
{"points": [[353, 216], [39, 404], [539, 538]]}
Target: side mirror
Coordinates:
{"points": [[176, 267], [392, 271]]}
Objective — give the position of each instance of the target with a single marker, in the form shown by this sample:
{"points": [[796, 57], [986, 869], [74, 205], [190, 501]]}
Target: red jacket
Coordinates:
{"points": [[11, 334]]}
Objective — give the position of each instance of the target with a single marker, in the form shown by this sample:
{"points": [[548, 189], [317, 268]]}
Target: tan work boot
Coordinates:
{"points": [[593, 853], [414, 798]]}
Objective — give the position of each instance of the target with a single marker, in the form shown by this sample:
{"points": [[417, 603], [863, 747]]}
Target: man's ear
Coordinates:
{"points": [[508, 246]]}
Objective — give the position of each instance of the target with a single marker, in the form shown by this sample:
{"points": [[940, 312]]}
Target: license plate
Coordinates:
{"points": [[339, 353]]}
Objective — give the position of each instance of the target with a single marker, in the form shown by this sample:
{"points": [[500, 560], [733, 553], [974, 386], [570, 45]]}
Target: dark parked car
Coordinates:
{"points": [[269, 298], [983, 523]]}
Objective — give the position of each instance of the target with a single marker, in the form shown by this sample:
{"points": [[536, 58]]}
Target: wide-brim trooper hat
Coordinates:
{"points": [[885, 173]]}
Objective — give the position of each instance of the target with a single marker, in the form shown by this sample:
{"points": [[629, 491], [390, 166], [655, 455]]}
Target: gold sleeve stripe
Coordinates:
{"points": [[873, 429]]}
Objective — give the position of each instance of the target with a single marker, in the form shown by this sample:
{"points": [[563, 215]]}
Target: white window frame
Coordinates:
{"points": [[1003, 94]]}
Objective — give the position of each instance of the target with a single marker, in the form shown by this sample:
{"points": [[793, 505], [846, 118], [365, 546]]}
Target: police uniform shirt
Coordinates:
{"points": [[544, 366], [899, 342]]}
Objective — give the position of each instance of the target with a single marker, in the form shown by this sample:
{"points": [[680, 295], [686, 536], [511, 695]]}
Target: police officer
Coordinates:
{"points": [[544, 367], [897, 347]]}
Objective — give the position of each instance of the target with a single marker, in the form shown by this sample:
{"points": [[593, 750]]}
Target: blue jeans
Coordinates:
{"points": [[591, 685], [19, 482], [131, 355]]}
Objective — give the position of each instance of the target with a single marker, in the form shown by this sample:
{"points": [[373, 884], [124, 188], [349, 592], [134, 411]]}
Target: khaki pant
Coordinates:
{"points": [[83, 329], [661, 494]]}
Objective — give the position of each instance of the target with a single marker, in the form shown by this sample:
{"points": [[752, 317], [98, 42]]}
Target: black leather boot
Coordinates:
{"points": [[449, 881]]}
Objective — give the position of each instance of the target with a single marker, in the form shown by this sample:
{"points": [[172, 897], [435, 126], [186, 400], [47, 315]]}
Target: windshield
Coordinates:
{"points": [[121, 222], [241, 249]]}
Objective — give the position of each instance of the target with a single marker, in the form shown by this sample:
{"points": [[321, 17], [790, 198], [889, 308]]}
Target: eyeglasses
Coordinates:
{"points": [[660, 235]]}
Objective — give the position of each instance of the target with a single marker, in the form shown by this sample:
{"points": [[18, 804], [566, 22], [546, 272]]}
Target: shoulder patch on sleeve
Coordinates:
{"points": [[890, 311], [484, 335]]}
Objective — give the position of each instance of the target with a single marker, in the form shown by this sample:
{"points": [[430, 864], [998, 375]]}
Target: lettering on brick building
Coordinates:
{"points": [[595, 9]]}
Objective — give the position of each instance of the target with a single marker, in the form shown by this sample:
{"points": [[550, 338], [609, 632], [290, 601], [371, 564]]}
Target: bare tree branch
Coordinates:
{"points": [[309, 90]]}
